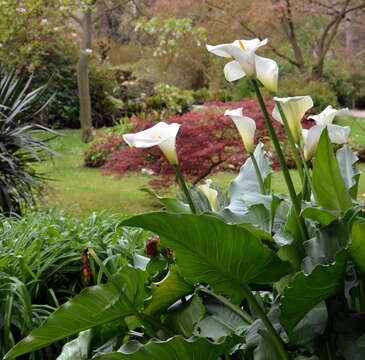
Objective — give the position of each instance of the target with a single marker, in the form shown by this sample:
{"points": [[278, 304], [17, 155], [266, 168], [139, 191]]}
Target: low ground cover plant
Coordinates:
{"points": [[43, 263], [254, 275]]}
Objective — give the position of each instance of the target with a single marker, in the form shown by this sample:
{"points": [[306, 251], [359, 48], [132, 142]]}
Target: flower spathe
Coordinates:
{"points": [[211, 194], [246, 127], [246, 62], [337, 135], [161, 134], [294, 109], [327, 115]]}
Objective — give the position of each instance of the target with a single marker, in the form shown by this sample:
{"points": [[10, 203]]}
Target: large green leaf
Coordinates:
{"points": [[94, 306], [173, 205], [210, 251], [328, 241], [77, 349], [183, 318], [167, 291], [247, 181], [347, 160], [357, 246], [220, 321], [329, 186], [176, 348], [306, 291], [323, 216], [246, 184]]}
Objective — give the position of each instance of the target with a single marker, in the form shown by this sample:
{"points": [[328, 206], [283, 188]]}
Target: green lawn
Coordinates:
{"points": [[79, 190]]}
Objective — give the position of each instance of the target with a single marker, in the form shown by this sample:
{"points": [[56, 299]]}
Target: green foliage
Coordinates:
{"points": [[242, 90], [321, 92], [170, 98], [40, 265], [170, 34], [19, 148], [58, 70]]}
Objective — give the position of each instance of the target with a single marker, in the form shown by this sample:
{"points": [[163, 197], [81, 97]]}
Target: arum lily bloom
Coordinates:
{"points": [[327, 115], [337, 135], [246, 62], [294, 108], [246, 127], [211, 194], [161, 134]]}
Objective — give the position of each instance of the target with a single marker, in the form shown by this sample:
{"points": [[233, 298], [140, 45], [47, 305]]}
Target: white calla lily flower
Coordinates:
{"points": [[161, 134], [211, 194], [294, 109], [246, 62], [246, 127], [327, 115], [337, 135]]}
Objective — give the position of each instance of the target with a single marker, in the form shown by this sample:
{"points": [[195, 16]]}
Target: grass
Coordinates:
{"points": [[79, 191]]}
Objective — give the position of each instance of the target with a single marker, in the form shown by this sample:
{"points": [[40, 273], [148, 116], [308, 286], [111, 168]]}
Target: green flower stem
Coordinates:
{"points": [[184, 188], [258, 174], [237, 310], [294, 149], [278, 343], [306, 168], [284, 168]]}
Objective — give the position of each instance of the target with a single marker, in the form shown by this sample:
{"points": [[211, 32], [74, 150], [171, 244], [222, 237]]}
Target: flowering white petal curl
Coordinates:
{"points": [[161, 134], [267, 71], [245, 126], [294, 109], [233, 71], [327, 115], [337, 135]]}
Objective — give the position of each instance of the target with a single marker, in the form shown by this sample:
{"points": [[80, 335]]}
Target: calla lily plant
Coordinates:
{"points": [[245, 126], [247, 63], [337, 134], [162, 134], [294, 109]]}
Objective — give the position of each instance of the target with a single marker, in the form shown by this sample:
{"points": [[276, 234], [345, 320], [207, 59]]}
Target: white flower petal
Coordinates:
{"points": [[233, 71], [245, 126], [327, 115], [311, 140], [337, 135], [294, 108], [211, 194], [267, 72], [161, 134]]}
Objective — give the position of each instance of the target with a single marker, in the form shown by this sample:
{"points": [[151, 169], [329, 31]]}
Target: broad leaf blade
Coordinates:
{"points": [[246, 182], [170, 289], [357, 246], [329, 186], [176, 348], [346, 161], [77, 349], [210, 251], [171, 204], [307, 291], [94, 306]]}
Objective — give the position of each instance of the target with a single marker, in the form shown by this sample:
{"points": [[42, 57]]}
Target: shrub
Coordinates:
{"points": [[207, 142], [242, 90], [102, 148], [321, 92], [201, 96], [21, 143]]}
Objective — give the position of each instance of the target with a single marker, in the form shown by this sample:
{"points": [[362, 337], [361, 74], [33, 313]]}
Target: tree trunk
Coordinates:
{"points": [[83, 78]]}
